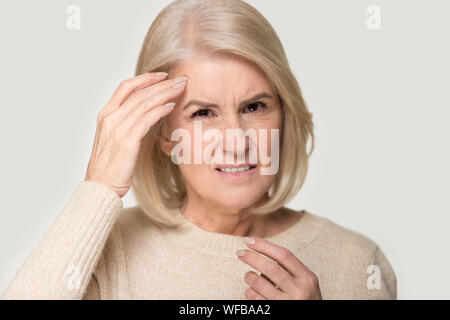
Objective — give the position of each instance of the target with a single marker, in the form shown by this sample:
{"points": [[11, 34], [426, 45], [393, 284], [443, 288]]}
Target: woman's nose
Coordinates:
{"points": [[233, 131], [233, 121]]}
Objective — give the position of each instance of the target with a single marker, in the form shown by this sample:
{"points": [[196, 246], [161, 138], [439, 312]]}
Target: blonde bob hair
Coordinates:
{"points": [[182, 30]]}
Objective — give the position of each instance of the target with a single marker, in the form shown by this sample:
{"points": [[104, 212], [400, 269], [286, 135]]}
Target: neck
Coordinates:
{"points": [[215, 218]]}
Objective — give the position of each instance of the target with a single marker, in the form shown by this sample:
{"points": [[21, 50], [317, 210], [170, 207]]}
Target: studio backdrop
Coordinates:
{"points": [[375, 75]]}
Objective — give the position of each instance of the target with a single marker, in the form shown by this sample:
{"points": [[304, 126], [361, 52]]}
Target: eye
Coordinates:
{"points": [[202, 113], [253, 107]]}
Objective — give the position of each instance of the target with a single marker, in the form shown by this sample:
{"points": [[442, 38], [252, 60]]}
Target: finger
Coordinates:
{"points": [[251, 294], [280, 254], [158, 99], [265, 277], [148, 120], [262, 286], [276, 273], [128, 86], [148, 94]]}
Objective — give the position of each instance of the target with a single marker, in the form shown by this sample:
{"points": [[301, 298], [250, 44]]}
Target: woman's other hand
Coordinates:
{"points": [[283, 276]]}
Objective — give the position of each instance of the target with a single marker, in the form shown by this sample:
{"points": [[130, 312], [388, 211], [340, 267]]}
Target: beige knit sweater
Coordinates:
{"points": [[97, 250]]}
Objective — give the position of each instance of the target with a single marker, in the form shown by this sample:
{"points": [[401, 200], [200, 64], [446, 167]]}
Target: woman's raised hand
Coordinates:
{"points": [[136, 105]]}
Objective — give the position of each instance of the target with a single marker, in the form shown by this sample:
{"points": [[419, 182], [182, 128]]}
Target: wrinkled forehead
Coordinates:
{"points": [[221, 79]]}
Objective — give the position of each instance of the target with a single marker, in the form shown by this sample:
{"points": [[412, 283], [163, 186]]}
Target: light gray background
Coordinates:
{"points": [[380, 100]]}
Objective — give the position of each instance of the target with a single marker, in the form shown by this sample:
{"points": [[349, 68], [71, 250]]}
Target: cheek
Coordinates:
{"points": [[199, 177], [268, 139], [196, 174]]}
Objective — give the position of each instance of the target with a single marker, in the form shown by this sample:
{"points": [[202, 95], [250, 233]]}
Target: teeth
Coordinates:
{"points": [[234, 169]]}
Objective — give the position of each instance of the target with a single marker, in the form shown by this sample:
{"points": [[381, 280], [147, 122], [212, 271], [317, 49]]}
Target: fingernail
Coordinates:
{"points": [[179, 85], [169, 104], [162, 74], [249, 240], [240, 253], [181, 79]]}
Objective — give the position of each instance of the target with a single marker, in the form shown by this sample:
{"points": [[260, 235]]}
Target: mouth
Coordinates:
{"points": [[233, 171]]}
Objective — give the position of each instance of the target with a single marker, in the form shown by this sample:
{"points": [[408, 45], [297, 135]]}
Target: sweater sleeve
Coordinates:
{"points": [[93, 290], [381, 281], [62, 263]]}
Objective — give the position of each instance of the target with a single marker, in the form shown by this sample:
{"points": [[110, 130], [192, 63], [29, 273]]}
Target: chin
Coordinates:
{"points": [[237, 198]]}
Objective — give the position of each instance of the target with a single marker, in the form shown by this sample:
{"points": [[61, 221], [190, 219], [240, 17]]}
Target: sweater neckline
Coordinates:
{"points": [[302, 232]]}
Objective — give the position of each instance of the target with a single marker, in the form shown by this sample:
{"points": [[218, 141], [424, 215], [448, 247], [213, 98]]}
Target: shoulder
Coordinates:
{"points": [[339, 241], [129, 231], [356, 255], [133, 223], [132, 217], [130, 227]]}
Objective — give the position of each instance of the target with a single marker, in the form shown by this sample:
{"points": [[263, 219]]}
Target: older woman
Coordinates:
{"points": [[202, 229]]}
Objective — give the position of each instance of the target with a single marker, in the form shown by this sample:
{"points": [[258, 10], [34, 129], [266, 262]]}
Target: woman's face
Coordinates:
{"points": [[228, 85]]}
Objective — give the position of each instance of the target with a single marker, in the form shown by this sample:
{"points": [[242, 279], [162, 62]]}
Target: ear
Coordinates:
{"points": [[164, 142]]}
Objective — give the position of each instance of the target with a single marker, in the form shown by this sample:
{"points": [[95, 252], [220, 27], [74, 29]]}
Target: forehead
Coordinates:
{"points": [[218, 76]]}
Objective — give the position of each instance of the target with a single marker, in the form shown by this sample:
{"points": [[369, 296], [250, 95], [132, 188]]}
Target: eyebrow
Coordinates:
{"points": [[213, 105]]}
